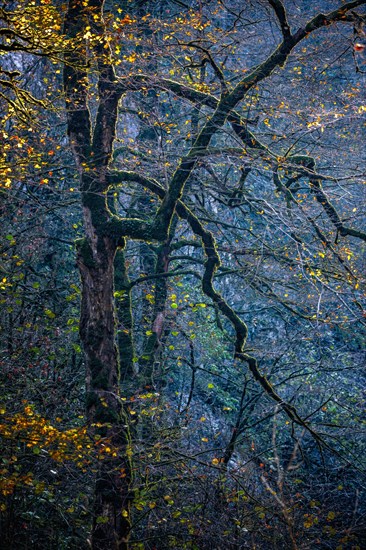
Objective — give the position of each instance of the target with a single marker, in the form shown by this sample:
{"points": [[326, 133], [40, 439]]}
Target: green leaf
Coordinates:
{"points": [[50, 313], [102, 519], [119, 293]]}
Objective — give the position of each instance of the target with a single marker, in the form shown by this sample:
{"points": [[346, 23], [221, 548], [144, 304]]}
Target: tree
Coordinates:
{"points": [[218, 153], [106, 231]]}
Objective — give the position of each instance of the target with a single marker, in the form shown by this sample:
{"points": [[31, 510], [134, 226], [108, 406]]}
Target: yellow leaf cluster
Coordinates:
{"points": [[31, 431]]}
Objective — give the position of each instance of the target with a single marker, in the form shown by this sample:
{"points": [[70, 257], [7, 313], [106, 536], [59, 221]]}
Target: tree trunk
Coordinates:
{"points": [[111, 524], [92, 148]]}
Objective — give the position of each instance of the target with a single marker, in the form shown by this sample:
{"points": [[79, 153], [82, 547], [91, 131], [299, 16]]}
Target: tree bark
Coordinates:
{"points": [[111, 524], [92, 147]]}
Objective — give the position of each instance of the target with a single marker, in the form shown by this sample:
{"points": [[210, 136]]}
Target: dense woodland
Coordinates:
{"points": [[182, 286]]}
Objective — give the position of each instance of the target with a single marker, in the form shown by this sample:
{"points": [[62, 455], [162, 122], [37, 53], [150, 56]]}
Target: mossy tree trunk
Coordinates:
{"points": [[96, 254], [111, 524]]}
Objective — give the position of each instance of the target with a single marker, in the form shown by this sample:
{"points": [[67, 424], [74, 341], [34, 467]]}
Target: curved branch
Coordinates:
{"points": [[280, 12], [211, 265]]}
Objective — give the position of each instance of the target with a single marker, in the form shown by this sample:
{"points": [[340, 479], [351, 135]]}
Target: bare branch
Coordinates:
{"points": [[282, 17]]}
